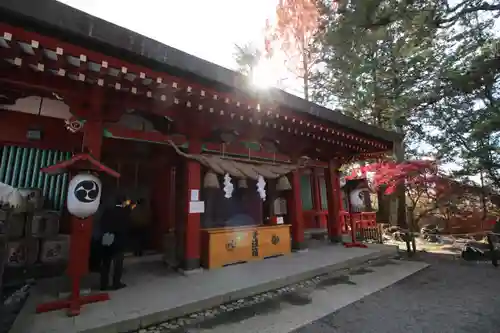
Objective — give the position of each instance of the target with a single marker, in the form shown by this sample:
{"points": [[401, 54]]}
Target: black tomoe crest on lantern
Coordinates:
{"points": [[84, 195], [87, 191]]}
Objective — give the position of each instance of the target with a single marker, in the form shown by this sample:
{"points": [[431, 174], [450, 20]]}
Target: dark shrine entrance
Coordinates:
{"points": [[145, 180]]}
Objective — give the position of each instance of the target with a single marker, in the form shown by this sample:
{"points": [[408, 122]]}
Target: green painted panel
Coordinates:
{"points": [[24, 166], [10, 164], [306, 192], [20, 167], [3, 162], [324, 198], [30, 167], [36, 166], [251, 145], [17, 163], [42, 163]]}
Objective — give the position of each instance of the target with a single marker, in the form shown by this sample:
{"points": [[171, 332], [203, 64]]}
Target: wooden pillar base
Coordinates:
{"points": [[298, 246], [190, 264], [335, 239]]}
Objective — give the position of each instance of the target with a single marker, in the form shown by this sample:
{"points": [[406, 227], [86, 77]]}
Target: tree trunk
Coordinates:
{"points": [[412, 221], [305, 72], [483, 197], [398, 201], [305, 83], [306, 88]]}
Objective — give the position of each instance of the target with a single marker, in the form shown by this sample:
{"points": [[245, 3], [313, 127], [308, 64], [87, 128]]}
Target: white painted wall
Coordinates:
{"points": [[49, 107], [54, 108]]}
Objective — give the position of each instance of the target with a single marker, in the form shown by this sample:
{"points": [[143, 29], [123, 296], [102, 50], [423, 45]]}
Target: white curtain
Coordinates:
{"points": [[10, 196]]}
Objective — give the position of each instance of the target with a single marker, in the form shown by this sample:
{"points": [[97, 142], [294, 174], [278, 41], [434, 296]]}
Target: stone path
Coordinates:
{"points": [[290, 307]]}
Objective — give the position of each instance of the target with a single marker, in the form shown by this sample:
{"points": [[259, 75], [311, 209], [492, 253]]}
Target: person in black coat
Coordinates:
{"points": [[115, 227], [496, 227]]}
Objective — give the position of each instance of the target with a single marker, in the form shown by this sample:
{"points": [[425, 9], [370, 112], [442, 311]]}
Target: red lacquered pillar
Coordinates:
{"points": [[332, 179], [192, 227], [295, 214]]}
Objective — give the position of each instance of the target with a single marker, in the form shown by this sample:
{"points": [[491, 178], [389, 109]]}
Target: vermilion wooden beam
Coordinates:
{"points": [[238, 150], [307, 123], [289, 143], [38, 80], [116, 100], [82, 161], [120, 132], [14, 126], [111, 62]]}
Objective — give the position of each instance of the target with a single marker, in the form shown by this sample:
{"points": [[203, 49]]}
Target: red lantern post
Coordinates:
{"points": [[81, 230]]}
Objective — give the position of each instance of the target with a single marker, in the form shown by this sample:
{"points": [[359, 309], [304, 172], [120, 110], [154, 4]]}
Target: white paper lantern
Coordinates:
{"points": [[84, 195], [356, 198]]}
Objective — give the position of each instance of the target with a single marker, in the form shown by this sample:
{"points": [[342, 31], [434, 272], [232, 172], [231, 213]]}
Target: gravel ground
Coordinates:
{"points": [[11, 305], [450, 296]]}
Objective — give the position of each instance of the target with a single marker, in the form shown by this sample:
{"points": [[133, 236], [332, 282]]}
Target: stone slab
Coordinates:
{"points": [[286, 317], [156, 294]]}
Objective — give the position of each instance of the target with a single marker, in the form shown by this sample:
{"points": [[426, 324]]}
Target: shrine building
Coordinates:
{"points": [[229, 174]]}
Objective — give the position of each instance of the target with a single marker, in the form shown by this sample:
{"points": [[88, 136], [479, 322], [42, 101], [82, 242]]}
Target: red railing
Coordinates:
{"points": [[359, 221], [314, 219], [349, 223], [364, 219]]}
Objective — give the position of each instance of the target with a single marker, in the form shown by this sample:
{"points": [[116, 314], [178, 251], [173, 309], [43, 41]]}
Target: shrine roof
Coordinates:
{"points": [[58, 20]]}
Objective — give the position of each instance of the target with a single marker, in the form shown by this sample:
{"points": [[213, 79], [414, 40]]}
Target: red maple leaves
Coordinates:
{"points": [[418, 173]]}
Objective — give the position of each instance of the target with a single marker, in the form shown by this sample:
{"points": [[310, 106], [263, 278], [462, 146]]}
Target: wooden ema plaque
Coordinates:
{"points": [[228, 246]]}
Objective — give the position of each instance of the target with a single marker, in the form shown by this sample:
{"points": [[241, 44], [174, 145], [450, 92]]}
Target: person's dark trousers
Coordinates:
{"points": [[139, 238], [111, 257], [95, 256]]}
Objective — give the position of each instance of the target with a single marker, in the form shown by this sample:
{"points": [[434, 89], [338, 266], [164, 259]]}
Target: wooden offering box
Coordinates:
{"points": [[274, 240], [226, 246]]}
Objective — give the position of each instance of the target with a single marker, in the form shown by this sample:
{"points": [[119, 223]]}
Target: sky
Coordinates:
{"points": [[206, 29]]}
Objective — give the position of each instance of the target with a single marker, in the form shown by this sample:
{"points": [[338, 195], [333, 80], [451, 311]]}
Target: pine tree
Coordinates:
{"points": [[462, 122], [374, 74], [247, 57]]}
